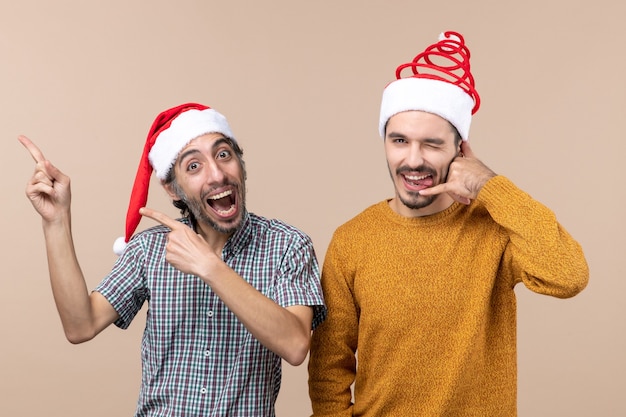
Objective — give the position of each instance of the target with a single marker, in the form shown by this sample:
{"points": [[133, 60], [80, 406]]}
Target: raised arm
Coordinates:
{"points": [[83, 315], [541, 252]]}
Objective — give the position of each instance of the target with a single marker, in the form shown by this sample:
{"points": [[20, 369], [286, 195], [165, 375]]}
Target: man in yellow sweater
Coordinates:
{"points": [[421, 286]]}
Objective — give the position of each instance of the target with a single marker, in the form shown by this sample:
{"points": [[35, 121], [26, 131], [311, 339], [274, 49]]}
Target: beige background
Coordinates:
{"points": [[300, 83]]}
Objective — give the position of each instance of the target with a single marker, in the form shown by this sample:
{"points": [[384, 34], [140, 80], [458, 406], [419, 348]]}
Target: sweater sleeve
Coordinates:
{"points": [[540, 252], [332, 361]]}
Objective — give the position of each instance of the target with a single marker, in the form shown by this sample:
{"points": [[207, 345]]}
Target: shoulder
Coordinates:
{"points": [[276, 228], [153, 235], [366, 219], [358, 232], [160, 229]]}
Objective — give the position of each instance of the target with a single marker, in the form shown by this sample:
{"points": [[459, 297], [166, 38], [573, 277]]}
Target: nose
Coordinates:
{"points": [[414, 157], [215, 173]]}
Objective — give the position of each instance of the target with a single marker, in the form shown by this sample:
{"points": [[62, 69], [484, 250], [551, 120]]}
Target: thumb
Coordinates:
{"points": [[54, 173]]}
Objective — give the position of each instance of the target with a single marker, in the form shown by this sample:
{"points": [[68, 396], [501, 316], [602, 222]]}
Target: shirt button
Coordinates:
{"points": [[203, 390], [210, 313], [207, 353]]}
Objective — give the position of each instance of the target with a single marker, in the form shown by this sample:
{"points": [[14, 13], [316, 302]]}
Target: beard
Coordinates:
{"points": [[417, 201], [198, 214], [414, 200], [196, 208]]}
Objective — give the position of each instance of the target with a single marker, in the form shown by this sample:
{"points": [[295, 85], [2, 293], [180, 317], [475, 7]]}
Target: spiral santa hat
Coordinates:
{"points": [[439, 82]]}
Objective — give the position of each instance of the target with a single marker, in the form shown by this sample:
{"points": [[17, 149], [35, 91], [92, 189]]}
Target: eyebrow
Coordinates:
{"points": [[396, 135], [216, 144], [436, 141]]}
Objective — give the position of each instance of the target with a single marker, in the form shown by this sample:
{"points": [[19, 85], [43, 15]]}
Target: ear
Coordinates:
{"points": [[169, 190]]}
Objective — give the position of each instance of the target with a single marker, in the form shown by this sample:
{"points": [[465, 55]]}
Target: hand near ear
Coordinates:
{"points": [[466, 177]]}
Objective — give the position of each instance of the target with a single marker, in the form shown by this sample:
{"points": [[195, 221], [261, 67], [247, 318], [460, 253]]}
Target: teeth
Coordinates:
{"points": [[221, 195], [416, 178], [226, 212]]}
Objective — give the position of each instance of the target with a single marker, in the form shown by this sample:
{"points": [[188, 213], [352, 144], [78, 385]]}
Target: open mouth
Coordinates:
{"points": [[224, 204], [418, 182]]}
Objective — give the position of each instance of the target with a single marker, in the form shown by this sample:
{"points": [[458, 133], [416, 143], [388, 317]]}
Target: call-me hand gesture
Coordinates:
{"points": [[466, 177], [48, 189]]}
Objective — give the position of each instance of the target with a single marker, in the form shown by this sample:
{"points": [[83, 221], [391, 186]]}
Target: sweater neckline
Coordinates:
{"points": [[431, 219]]}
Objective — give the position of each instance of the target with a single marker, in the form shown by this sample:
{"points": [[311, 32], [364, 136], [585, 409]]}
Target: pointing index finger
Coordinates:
{"points": [[162, 218], [437, 189], [32, 148]]}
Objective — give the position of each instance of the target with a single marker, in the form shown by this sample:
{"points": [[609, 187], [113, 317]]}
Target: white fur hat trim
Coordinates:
{"points": [[438, 97], [183, 129]]}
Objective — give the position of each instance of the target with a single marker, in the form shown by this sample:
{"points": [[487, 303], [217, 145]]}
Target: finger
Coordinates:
{"points": [[466, 149], [36, 190], [162, 218], [32, 148], [55, 173], [42, 177], [48, 173], [444, 188], [437, 189]]}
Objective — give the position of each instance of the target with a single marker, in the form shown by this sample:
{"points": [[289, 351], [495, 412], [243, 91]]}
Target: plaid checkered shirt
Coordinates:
{"points": [[197, 358]]}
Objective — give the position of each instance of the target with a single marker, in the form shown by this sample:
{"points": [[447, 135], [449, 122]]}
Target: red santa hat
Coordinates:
{"points": [[171, 131], [440, 83]]}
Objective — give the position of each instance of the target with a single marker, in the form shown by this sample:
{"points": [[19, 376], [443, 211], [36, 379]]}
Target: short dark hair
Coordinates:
{"points": [[457, 135]]}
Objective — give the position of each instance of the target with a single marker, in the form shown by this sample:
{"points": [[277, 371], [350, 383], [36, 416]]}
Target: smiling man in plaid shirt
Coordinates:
{"points": [[230, 293]]}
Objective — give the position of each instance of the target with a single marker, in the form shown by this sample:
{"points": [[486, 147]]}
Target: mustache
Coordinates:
{"points": [[420, 168], [204, 195]]}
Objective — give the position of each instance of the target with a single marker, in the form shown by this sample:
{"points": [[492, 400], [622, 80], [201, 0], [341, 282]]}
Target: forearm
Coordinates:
{"points": [[284, 331], [66, 279], [332, 371], [551, 261], [49, 192]]}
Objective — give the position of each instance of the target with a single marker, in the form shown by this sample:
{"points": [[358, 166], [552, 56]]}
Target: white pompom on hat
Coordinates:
{"points": [[440, 83], [171, 131]]}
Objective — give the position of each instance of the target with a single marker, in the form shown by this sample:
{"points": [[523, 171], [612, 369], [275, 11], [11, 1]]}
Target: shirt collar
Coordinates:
{"points": [[240, 238]]}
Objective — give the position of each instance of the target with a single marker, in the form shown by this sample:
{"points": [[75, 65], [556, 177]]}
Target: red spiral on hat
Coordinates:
{"points": [[454, 68]]}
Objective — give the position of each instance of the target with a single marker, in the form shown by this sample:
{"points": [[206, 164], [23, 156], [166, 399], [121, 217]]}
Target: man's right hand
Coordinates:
{"points": [[48, 189], [83, 314]]}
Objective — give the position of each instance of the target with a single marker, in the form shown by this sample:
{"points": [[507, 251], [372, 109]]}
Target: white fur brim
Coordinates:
{"points": [[183, 129], [438, 97]]}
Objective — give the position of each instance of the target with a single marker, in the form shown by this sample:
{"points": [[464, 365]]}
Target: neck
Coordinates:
{"points": [[214, 238], [441, 202]]}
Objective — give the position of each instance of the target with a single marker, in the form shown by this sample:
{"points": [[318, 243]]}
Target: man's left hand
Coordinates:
{"points": [[186, 250]]}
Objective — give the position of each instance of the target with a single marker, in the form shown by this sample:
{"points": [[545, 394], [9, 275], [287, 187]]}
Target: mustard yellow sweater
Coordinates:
{"points": [[428, 306]]}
